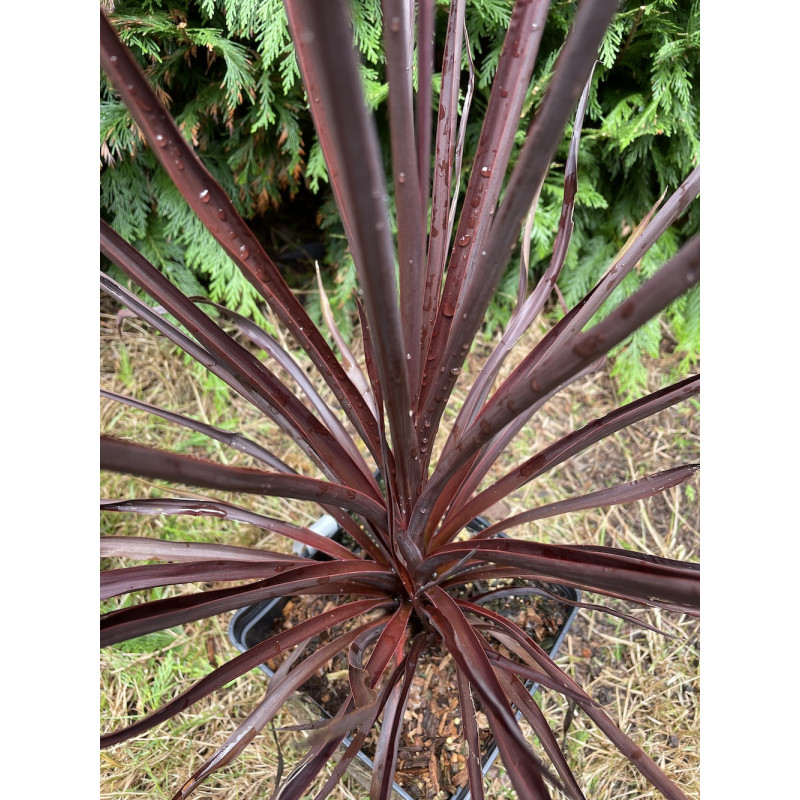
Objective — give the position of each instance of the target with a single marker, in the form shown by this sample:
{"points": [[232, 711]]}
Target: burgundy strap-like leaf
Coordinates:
{"points": [[615, 571], [200, 354], [363, 693], [218, 214], [470, 574], [465, 645], [230, 438], [328, 64], [627, 747], [298, 421], [522, 699], [398, 38], [526, 313], [256, 655], [488, 248], [469, 476], [445, 141], [349, 361], [568, 446], [641, 241], [213, 365], [142, 548], [525, 591], [366, 720], [114, 582], [392, 725], [216, 508], [135, 459], [308, 770], [615, 495], [462, 135], [426, 46], [280, 689], [332, 577], [288, 363], [523, 670], [673, 279], [469, 725]]}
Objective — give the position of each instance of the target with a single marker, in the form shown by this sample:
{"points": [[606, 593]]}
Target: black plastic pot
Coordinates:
{"points": [[253, 624]]}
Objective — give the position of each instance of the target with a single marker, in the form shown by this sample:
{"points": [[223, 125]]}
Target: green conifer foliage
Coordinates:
{"points": [[227, 70]]}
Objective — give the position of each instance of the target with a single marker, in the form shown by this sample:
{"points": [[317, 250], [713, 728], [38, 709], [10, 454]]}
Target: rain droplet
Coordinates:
{"points": [[395, 24], [455, 371], [434, 230], [486, 171], [232, 234], [244, 252], [464, 240], [179, 164], [408, 356], [504, 93], [401, 178], [534, 26], [221, 213], [114, 59], [204, 196], [161, 140]]}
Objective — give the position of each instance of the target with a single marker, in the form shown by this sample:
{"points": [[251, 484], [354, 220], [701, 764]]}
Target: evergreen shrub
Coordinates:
{"points": [[228, 72]]}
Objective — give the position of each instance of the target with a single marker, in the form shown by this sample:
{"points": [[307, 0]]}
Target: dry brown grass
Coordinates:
{"points": [[648, 683]]}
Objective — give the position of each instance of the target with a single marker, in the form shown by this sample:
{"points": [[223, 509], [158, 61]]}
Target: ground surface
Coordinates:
{"points": [[649, 684]]}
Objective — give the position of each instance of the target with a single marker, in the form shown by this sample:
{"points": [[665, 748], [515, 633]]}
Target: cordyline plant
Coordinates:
{"points": [[423, 293]]}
